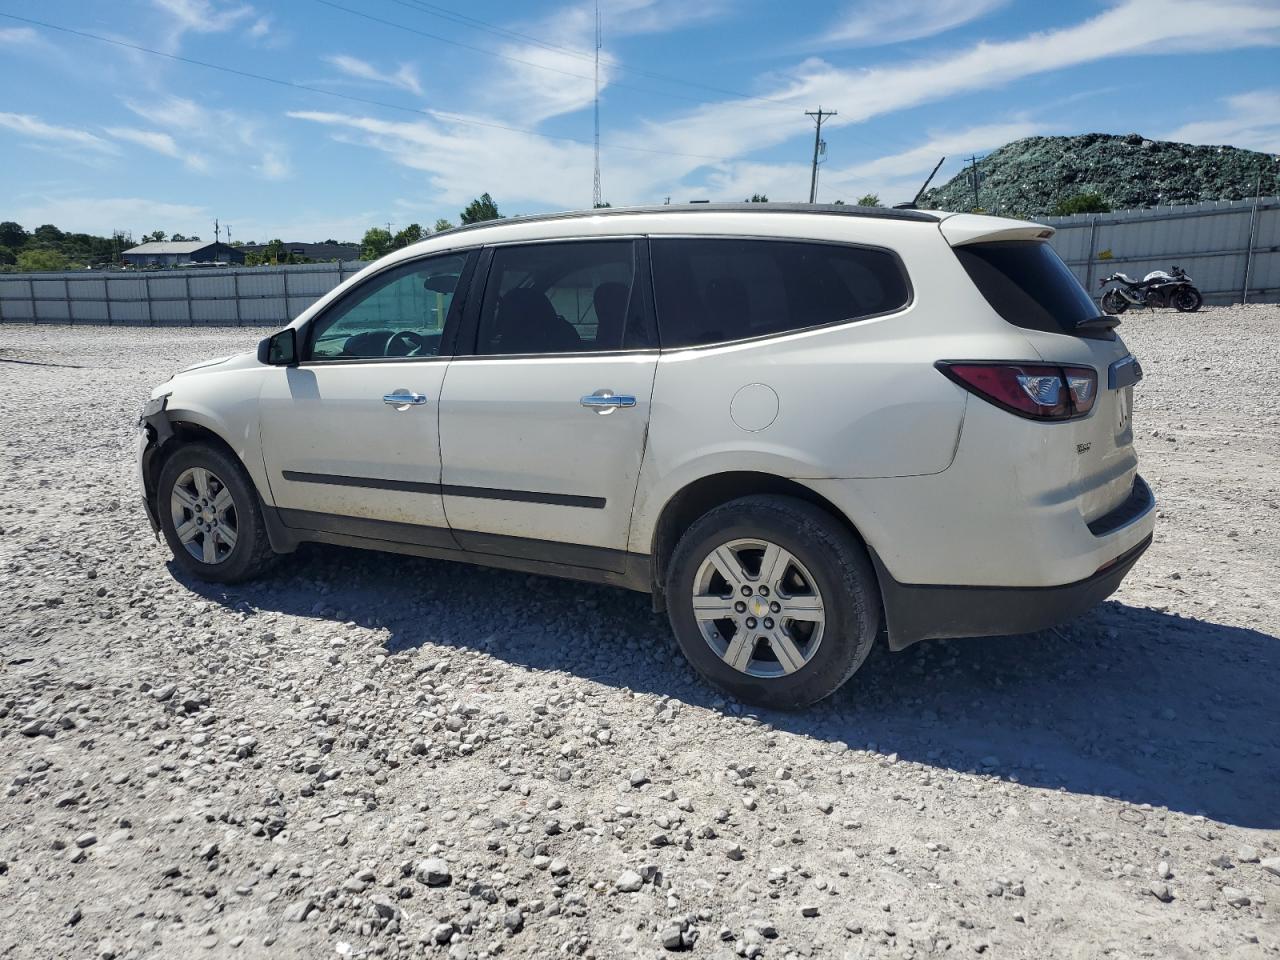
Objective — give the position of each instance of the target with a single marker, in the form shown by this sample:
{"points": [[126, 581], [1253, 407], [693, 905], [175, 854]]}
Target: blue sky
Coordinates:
{"points": [[402, 110]]}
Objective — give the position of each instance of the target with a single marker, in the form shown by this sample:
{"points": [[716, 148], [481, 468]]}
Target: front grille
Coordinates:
{"points": [[1138, 502]]}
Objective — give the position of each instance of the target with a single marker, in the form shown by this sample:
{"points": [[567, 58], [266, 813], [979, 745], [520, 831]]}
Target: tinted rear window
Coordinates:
{"points": [[713, 290], [1028, 284]]}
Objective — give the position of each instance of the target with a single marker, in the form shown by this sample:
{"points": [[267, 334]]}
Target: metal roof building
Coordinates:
{"points": [[169, 254]]}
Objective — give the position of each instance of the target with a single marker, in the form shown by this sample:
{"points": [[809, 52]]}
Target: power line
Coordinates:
{"points": [[453, 16], [819, 116], [597, 196], [430, 114], [500, 56]]}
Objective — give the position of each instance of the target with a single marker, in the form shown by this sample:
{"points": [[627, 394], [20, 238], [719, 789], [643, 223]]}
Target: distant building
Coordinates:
{"points": [[167, 254], [313, 251]]}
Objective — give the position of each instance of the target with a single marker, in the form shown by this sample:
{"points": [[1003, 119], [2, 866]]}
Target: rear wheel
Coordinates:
{"points": [[1187, 300], [773, 601], [210, 515], [1113, 303]]}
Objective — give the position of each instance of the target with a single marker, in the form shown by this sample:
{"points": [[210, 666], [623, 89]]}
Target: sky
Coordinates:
{"points": [[316, 119]]}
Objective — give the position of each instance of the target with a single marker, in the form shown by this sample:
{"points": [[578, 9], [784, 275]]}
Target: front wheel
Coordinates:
{"points": [[1187, 300], [1113, 303], [773, 601], [210, 516]]}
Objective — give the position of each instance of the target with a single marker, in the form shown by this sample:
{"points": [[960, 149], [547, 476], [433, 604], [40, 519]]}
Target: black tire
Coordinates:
{"points": [[252, 554], [1113, 303], [843, 576], [1187, 300]]}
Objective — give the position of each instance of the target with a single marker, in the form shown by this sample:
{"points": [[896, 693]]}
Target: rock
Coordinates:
{"points": [[1272, 865], [1160, 890], [513, 920], [639, 778], [299, 911], [809, 910], [629, 881], [434, 872], [1247, 854], [1235, 896], [86, 840], [442, 933], [163, 693]]}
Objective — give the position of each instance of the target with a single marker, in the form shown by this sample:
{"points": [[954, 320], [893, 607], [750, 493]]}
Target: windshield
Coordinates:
{"points": [[1027, 283]]}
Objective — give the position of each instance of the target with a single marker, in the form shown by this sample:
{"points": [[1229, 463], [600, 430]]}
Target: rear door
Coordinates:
{"points": [[543, 425], [1031, 288]]}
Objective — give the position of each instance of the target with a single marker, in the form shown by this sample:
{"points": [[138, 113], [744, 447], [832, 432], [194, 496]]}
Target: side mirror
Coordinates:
{"points": [[279, 349]]}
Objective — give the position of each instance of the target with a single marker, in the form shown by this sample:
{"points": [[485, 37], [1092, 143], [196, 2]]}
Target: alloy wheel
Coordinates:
{"points": [[204, 515], [758, 608]]}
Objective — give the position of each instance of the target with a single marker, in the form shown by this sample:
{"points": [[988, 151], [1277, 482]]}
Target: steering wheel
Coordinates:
{"points": [[406, 343]]}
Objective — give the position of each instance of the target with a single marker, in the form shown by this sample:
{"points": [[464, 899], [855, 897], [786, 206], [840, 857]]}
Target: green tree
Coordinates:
{"points": [[12, 235], [47, 234], [275, 252], [480, 209], [179, 238], [603, 204], [410, 234], [39, 260], [1088, 202], [376, 243], [758, 198], [155, 235], [7, 256], [870, 200], [441, 225]]}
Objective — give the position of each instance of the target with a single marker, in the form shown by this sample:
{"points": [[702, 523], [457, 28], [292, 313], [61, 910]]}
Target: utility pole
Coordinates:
{"points": [[973, 179], [818, 116], [597, 196], [217, 233]]}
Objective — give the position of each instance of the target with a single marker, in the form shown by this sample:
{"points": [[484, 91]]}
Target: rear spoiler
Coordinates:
{"points": [[962, 228]]}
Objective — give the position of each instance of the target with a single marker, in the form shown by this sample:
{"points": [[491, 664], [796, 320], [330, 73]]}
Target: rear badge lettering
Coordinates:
{"points": [[1083, 447]]}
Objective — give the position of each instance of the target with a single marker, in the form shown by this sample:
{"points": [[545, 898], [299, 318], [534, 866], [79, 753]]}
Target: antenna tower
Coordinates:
{"points": [[596, 197]]}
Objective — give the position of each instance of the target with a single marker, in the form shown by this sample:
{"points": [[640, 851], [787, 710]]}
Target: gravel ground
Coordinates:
{"points": [[356, 757]]}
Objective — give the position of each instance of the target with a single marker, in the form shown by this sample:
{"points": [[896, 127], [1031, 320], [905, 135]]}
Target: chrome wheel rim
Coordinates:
{"points": [[204, 515], [758, 608]]}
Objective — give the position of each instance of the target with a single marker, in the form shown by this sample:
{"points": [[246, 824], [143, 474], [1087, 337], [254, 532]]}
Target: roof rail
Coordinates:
{"points": [[826, 209]]}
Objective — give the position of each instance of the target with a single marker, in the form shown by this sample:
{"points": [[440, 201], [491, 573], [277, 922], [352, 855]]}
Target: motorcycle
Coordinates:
{"points": [[1156, 289]]}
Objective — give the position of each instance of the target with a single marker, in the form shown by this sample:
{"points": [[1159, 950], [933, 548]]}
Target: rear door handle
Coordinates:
{"points": [[403, 398], [606, 401]]}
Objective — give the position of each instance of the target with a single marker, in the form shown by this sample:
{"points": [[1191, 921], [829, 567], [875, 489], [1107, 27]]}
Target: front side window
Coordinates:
{"points": [[570, 297], [715, 290], [398, 313]]}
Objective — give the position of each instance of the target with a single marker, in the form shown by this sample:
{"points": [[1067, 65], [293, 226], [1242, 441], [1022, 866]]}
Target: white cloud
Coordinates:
{"points": [[405, 77], [870, 23], [261, 27], [199, 134], [151, 139], [36, 129], [80, 214], [19, 36], [1250, 120]]}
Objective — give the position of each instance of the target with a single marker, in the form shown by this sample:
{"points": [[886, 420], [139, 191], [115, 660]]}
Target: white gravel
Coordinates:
{"points": [[357, 757]]}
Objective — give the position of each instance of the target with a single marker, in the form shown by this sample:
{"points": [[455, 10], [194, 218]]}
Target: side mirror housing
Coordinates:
{"points": [[279, 349]]}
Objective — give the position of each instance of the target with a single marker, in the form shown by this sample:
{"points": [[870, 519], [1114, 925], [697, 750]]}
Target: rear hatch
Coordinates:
{"points": [[1027, 284]]}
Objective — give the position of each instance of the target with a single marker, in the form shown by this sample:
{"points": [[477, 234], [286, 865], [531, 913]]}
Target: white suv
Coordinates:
{"points": [[798, 427]]}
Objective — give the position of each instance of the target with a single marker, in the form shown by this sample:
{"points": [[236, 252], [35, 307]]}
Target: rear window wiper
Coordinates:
{"points": [[1103, 321]]}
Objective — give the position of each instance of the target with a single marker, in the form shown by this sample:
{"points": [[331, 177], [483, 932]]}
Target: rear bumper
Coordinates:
{"points": [[915, 612]]}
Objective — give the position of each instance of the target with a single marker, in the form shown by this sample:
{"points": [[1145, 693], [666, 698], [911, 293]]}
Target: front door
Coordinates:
{"points": [[543, 427], [350, 435]]}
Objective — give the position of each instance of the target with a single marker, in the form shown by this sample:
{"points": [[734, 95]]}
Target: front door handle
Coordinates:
{"points": [[606, 401], [403, 398]]}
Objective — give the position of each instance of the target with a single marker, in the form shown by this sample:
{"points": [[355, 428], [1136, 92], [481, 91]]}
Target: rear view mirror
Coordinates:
{"points": [[443, 283], [279, 349]]}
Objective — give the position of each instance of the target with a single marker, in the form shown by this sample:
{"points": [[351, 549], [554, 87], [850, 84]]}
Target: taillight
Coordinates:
{"points": [[1034, 390]]}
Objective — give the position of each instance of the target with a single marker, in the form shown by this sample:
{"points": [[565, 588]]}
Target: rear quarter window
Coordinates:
{"points": [[1026, 282], [716, 290]]}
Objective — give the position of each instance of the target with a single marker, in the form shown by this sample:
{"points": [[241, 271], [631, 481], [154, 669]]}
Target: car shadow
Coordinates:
{"points": [[1127, 702]]}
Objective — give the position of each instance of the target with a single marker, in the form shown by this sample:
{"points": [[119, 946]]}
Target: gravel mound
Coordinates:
{"points": [[367, 756]]}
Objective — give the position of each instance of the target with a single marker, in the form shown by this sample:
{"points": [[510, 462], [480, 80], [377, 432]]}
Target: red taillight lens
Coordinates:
{"points": [[1033, 390]]}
